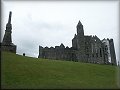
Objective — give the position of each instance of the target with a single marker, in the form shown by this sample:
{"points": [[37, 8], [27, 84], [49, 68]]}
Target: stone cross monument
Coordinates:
{"points": [[7, 44]]}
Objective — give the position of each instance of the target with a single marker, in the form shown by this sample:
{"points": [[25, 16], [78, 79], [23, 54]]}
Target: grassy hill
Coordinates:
{"points": [[26, 72]]}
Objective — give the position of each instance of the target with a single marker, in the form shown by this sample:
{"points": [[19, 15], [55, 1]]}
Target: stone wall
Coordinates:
{"points": [[88, 49], [112, 52], [57, 53]]}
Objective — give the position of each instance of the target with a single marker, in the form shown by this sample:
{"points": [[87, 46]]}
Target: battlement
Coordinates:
{"points": [[85, 48]]}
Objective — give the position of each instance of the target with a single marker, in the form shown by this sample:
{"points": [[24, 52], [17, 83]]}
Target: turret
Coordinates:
{"points": [[80, 37], [79, 42], [112, 52], [40, 52], [74, 42], [80, 30], [62, 46]]}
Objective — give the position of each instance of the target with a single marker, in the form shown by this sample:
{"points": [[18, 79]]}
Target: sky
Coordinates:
{"points": [[50, 23]]}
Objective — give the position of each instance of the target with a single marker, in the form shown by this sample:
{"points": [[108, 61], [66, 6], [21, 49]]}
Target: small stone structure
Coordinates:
{"points": [[7, 44], [89, 49]]}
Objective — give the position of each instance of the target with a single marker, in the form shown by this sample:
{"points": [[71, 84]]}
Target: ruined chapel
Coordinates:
{"points": [[88, 49]]}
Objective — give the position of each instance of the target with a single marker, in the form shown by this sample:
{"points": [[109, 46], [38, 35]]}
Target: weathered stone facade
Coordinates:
{"points": [[89, 49], [7, 44]]}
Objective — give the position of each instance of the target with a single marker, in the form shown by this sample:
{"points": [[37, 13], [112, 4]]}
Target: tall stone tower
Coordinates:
{"points": [[78, 42], [7, 44], [80, 36], [112, 52]]}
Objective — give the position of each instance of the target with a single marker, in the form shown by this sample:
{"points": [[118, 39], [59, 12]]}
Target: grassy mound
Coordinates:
{"points": [[32, 73]]}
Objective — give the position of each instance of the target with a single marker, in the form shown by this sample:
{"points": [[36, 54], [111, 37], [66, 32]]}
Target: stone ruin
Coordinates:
{"points": [[88, 49]]}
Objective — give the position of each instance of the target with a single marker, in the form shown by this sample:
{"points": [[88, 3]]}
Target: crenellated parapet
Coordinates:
{"points": [[88, 49], [59, 52]]}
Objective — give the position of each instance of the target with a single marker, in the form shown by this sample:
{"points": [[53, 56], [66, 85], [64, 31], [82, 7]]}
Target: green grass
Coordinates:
{"points": [[32, 73]]}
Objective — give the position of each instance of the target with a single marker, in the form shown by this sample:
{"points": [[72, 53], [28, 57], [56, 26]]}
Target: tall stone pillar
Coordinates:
{"points": [[7, 44], [80, 42], [112, 52]]}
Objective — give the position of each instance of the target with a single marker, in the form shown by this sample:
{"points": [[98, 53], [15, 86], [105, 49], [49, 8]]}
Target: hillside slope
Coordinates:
{"points": [[25, 72]]}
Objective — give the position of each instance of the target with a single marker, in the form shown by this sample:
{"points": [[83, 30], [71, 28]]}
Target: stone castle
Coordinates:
{"points": [[88, 49], [7, 44]]}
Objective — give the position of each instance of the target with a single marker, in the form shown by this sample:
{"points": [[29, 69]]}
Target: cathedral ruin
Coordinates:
{"points": [[88, 49], [7, 44]]}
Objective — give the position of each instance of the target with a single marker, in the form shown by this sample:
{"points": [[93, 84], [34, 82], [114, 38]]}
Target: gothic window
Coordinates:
{"points": [[95, 45], [106, 48], [92, 48], [96, 50], [87, 49], [96, 54], [100, 53]]}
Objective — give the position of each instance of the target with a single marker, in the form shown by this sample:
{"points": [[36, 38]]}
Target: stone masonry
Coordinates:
{"points": [[88, 49], [7, 44]]}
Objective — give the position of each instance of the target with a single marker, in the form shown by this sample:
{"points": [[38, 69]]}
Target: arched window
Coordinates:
{"points": [[96, 54], [100, 52]]}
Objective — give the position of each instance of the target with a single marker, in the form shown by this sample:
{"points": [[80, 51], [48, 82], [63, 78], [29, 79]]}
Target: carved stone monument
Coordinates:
{"points": [[7, 44]]}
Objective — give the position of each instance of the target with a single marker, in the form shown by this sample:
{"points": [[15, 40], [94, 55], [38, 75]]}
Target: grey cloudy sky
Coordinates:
{"points": [[50, 23]]}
